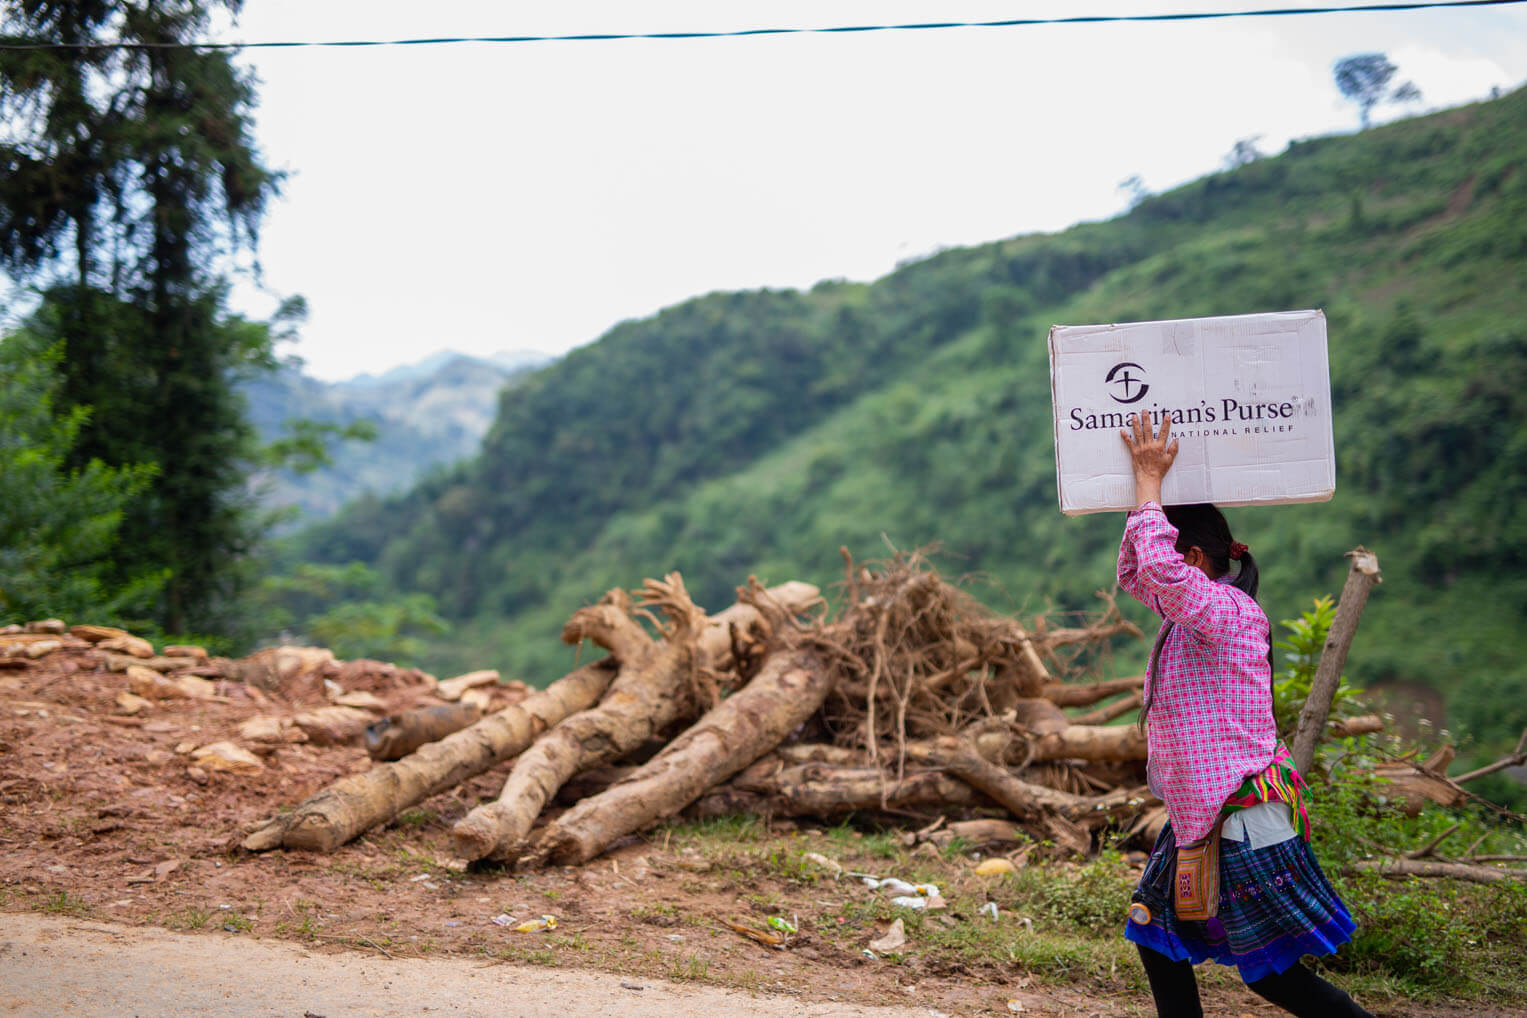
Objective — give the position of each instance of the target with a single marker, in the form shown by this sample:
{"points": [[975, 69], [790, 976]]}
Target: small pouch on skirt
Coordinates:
{"points": [[1196, 883]]}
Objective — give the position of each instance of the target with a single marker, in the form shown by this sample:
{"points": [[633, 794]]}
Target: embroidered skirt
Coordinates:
{"points": [[1275, 906]]}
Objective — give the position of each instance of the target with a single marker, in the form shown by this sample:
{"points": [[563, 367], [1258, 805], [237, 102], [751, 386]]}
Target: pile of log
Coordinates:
{"points": [[913, 700]]}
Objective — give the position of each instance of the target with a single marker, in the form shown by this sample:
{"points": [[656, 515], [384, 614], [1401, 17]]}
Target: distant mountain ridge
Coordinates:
{"points": [[510, 361], [427, 415]]}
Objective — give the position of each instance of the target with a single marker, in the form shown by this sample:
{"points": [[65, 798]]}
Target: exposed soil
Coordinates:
{"points": [[104, 819]]}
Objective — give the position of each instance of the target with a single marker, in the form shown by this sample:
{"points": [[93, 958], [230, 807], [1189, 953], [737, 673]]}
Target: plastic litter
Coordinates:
{"points": [[1015, 1005], [546, 922], [995, 866], [782, 924], [503, 919], [990, 908], [910, 901]]}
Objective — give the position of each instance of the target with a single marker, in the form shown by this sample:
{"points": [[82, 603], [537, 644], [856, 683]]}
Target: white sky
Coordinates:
{"points": [[489, 197]]}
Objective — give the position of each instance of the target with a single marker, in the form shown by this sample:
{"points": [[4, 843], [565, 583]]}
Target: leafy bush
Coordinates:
{"points": [[58, 525], [1300, 658]]}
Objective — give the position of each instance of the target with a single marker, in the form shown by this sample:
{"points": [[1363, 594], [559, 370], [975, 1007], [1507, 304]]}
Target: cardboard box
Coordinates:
{"points": [[1249, 398]]}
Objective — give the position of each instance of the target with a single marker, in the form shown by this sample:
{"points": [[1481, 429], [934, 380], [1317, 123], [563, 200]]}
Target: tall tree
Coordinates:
{"points": [[1364, 78], [142, 156], [58, 525]]}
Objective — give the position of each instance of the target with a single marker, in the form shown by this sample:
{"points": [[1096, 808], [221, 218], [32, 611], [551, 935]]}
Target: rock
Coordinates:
{"points": [[136, 646], [362, 700], [264, 729], [54, 626], [198, 654], [335, 725], [894, 937], [197, 774], [39, 648], [293, 670], [182, 748], [451, 689], [132, 703], [226, 756], [119, 662], [195, 687], [95, 634], [149, 683]]}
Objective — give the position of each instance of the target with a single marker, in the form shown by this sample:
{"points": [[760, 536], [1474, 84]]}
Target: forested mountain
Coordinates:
{"points": [[757, 432], [425, 415]]}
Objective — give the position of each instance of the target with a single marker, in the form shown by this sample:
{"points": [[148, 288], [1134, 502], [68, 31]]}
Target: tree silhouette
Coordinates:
{"points": [[129, 172], [1364, 78], [1244, 152]]}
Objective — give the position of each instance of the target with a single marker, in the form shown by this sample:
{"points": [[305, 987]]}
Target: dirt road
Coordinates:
{"points": [[52, 968]]}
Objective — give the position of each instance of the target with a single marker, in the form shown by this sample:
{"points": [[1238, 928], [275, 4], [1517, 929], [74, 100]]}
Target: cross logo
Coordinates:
{"points": [[1126, 388]]}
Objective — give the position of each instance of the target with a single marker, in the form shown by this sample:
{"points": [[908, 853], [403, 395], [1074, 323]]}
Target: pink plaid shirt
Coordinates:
{"points": [[1211, 721]]}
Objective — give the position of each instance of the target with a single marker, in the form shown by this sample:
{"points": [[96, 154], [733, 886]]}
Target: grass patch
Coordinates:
{"points": [[64, 903]]}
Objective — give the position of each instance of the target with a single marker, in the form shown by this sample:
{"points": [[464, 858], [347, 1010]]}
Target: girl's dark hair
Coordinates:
{"points": [[1203, 526]]}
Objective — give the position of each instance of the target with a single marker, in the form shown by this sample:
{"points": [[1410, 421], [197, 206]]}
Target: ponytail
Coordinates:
{"points": [[1203, 526]]}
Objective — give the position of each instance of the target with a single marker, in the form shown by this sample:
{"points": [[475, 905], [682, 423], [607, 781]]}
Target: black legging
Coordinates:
{"points": [[1298, 991]]}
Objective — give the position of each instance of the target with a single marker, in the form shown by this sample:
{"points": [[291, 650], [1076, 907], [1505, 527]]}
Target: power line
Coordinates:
{"points": [[1095, 19]]}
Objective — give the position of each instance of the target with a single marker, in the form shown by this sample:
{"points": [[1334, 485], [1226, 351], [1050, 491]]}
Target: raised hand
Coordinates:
{"points": [[1151, 455]]}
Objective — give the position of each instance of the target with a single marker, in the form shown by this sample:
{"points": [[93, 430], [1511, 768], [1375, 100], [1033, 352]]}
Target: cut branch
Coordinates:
{"points": [[1103, 715], [1367, 724], [652, 691], [788, 690], [1086, 694], [359, 802], [1400, 868], [1517, 758], [827, 791]]}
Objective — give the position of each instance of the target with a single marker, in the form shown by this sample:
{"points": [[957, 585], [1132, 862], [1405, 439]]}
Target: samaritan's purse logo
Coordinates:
{"points": [[1123, 386]]}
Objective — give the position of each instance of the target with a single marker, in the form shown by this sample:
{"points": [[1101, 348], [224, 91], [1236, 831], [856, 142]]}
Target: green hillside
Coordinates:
{"points": [[757, 432]]}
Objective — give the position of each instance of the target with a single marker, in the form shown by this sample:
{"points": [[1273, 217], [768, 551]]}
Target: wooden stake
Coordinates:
{"points": [[1361, 576]]}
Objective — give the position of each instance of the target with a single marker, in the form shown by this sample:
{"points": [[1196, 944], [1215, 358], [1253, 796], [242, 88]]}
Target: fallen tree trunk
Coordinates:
{"points": [[1399, 868], [826, 791], [742, 728], [1085, 694], [1414, 785], [1092, 742], [649, 694], [1103, 715], [359, 802], [1023, 800], [1034, 805], [398, 735], [645, 695]]}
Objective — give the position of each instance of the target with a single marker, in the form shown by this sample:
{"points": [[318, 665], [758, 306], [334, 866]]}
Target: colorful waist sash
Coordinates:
{"points": [[1196, 883]]}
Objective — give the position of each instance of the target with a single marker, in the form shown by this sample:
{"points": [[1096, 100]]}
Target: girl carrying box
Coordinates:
{"points": [[1232, 876]]}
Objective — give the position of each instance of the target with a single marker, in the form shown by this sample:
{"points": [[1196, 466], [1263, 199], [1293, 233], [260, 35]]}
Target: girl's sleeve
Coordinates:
{"points": [[1151, 571]]}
